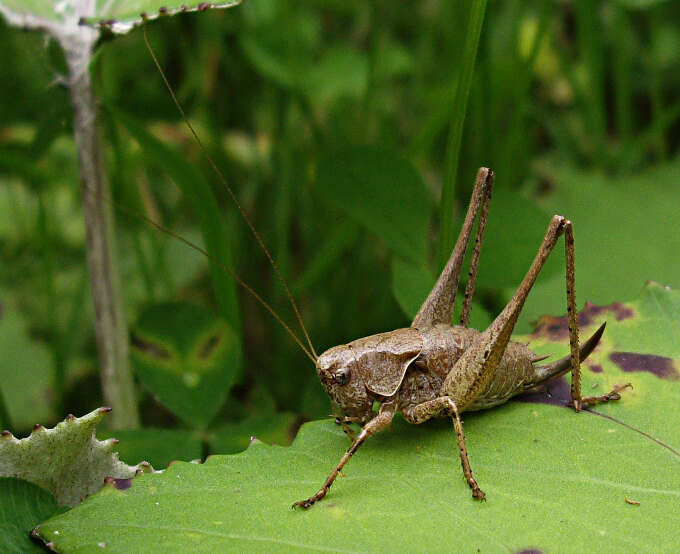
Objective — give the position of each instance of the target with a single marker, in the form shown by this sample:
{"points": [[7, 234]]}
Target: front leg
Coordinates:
{"points": [[344, 422], [433, 408], [379, 422]]}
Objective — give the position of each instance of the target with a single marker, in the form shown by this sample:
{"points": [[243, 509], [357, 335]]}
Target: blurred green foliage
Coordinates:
{"points": [[331, 121]]}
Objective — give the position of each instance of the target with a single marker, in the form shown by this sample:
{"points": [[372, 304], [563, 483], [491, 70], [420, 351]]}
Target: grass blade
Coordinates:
{"points": [[474, 29]]}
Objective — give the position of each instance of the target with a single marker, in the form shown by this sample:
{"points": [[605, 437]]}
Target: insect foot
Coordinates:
{"points": [[310, 501], [613, 395], [477, 493]]}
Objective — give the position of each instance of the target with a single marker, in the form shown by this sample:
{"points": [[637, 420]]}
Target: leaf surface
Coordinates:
{"points": [[382, 191], [617, 245], [22, 506], [555, 480]]}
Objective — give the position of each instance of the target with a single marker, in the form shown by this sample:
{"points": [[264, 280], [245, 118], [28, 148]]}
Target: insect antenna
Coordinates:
{"points": [[217, 262], [310, 351]]}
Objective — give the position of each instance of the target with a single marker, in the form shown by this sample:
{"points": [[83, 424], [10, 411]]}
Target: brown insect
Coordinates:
{"points": [[432, 368]]}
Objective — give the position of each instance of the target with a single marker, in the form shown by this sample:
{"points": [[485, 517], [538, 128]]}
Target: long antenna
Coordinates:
{"points": [[223, 180], [217, 262]]}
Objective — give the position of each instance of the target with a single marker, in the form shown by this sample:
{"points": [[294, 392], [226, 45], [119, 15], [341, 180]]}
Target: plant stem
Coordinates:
{"points": [[474, 29], [110, 325]]}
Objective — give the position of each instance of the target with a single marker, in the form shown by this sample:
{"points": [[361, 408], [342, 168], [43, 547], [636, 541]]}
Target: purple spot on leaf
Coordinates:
{"points": [[122, 484], [658, 365], [595, 368], [557, 328]]}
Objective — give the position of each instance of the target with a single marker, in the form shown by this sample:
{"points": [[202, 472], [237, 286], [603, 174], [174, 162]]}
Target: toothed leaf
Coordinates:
{"points": [[67, 461], [555, 480], [120, 16], [269, 428]]}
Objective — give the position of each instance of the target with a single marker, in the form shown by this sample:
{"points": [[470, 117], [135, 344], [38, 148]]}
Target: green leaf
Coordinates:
{"points": [[383, 192], [269, 428], [514, 231], [639, 346], [341, 71], [25, 373], [67, 461], [333, 247], [22, 506], [410, 285], [159, 447], [5, 420], [555, 480], [184, 355], [617, 247]]}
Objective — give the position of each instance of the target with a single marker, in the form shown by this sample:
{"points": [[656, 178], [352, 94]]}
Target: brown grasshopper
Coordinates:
{"points": [[432, 368]]}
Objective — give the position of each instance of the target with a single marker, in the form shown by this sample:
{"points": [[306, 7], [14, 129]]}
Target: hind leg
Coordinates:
{"points": [[438, 306], [577, 401]]}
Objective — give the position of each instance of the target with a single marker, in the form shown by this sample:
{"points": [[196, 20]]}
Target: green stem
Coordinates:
{"points": [[110, 324], [474, 29]]}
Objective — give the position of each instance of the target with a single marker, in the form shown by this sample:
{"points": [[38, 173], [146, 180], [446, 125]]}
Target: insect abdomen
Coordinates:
{"points": [[513, 372]]}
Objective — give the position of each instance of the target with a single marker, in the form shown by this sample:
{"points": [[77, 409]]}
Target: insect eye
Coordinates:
{"points": [[341, 376]]}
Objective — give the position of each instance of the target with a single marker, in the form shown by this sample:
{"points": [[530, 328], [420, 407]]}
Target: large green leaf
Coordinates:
{"points": [[22, 506], [640, 346], [614, 237], [383, 192], [555, 480], [513, 234], [67, 460], [185, 356]]}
